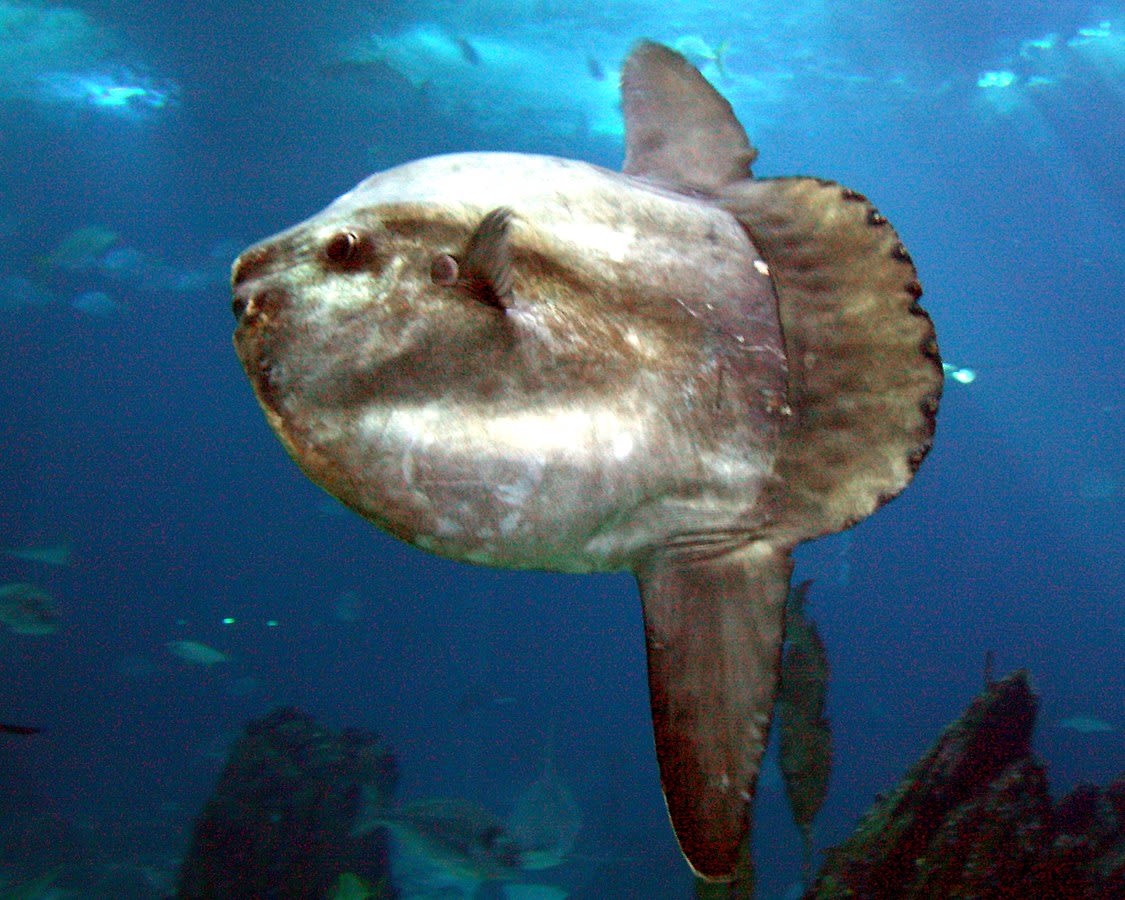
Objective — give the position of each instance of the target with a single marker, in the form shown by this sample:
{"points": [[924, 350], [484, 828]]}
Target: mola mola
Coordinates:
{"points": [[678, 370]]}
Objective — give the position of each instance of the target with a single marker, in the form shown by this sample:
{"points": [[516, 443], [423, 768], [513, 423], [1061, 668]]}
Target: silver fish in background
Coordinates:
{"points": [[59, 553], [545, 820], [678, 370], [461, 837], [27, 609], [196, 653]]}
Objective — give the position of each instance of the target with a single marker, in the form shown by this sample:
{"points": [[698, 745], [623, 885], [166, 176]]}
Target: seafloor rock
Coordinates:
{"points": [[278, 823], [1090, 830], [973, 819]]}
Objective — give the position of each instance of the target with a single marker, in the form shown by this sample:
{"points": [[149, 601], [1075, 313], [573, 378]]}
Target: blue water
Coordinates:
{"points": [[187, 131]]}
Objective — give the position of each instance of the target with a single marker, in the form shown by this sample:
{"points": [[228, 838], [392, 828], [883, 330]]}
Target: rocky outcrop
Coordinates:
{"points": [[277, 825], [973, 819]]}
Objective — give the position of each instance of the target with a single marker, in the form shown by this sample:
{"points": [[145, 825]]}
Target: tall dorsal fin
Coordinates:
{"points": [[678, 130]]}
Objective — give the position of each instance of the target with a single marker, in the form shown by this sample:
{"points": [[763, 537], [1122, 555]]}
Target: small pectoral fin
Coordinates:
{"points": [[714, 629], [486, 265]]}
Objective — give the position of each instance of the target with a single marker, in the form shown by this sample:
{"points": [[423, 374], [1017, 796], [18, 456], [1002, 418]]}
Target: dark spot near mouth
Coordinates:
{"points": [[900, 252], [914, 289], [250, 306]]}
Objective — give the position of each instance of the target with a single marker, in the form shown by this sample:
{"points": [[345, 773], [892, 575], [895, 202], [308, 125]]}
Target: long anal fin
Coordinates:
{"points": [[714, 628]]}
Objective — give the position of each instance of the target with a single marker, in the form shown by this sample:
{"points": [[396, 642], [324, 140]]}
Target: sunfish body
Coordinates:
{"points": [[678, 370]]}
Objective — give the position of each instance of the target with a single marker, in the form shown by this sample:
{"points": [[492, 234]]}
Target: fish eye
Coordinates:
{"points": [[443, 270], [341, 247]]}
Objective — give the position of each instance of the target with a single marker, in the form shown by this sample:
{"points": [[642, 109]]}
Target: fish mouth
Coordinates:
{"points": [[257, 314], [263, 340], [255, 306], [255, 343]]}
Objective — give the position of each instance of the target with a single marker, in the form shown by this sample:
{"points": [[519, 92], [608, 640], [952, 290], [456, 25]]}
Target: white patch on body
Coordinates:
{"points": [[616, 242], [622, 445], [445, 527]]}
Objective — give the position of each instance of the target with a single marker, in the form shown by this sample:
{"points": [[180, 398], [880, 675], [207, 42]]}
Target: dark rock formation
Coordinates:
{"points": [[278, 823], [973, 819]]}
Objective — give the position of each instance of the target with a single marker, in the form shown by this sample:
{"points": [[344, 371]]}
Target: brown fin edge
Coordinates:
{"points": [[865, 375]]}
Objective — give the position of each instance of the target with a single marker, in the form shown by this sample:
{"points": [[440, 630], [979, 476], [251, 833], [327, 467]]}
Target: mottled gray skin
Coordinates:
{"points": [[605, 413]]}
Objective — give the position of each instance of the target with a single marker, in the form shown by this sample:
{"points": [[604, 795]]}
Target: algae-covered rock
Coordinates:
{"points": [[973, 819], [277, 825], [887, 855], [1089, 836]]}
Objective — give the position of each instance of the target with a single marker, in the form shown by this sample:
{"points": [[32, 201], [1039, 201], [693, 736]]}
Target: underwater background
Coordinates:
{"points": [[144, 144]]}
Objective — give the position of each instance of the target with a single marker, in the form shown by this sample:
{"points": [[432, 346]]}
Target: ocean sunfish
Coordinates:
{"points": [[456, 835], [678, 370]]}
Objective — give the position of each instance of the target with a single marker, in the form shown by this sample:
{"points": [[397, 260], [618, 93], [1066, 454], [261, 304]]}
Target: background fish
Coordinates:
{"points": [[545, 820], [461, 837], [1086, 725], [58, 553], [27, 609], [197, 653], [9, 728]]}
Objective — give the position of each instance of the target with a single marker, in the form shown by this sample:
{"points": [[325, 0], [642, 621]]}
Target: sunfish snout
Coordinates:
{"points": [[259, 305], [250, 303], [239, 303], [251, 264], [249, 296]]}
